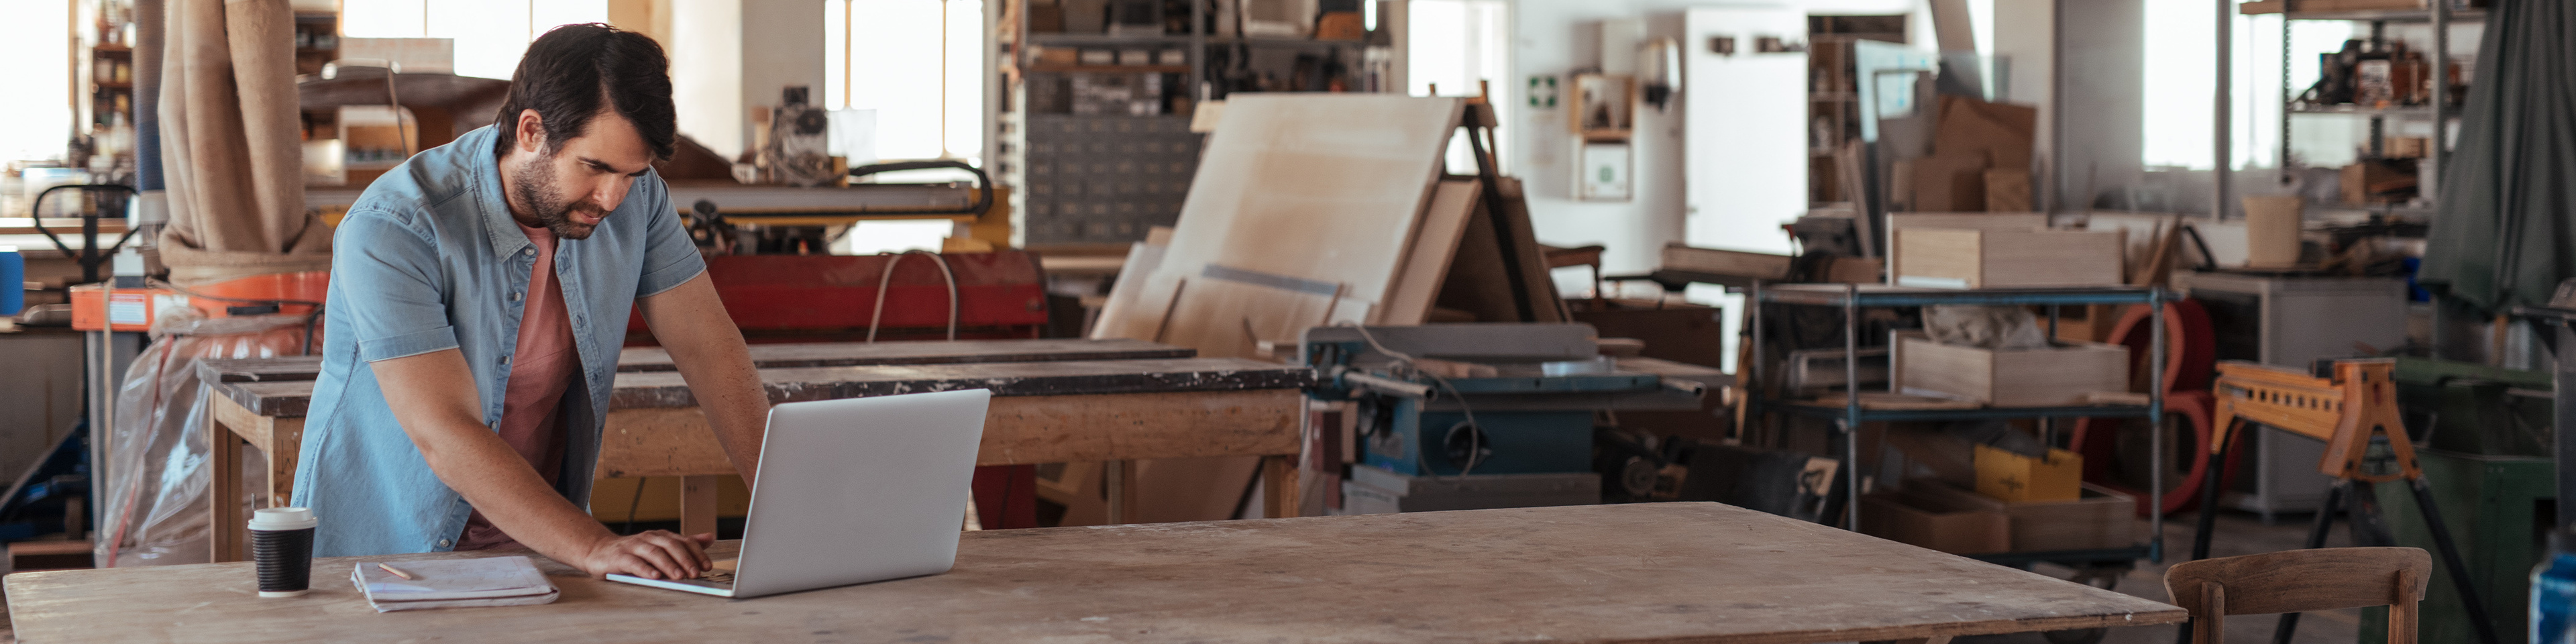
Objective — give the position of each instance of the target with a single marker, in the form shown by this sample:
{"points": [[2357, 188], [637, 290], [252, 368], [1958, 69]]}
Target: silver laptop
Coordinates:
{"points": [[853, 491]]}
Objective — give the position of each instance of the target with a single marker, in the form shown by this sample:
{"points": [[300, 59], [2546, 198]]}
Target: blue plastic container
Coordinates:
{"points": [[13, 281], [2553, 593]]}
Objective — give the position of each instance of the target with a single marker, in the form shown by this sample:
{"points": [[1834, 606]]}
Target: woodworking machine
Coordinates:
{"points": [[1451, 399]]}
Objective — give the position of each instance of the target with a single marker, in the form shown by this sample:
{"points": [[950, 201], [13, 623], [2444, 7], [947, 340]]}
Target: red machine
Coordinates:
{"points": [[836, 298]]}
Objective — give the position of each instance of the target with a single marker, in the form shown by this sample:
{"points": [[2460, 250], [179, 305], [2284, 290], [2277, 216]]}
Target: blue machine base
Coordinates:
{"points": [[1515, 442]]}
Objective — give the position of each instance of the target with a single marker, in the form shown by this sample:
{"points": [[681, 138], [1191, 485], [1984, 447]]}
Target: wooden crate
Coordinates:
{"points": [[2100, 519], [1940, 523], [1970, 258], [2062, 375]]}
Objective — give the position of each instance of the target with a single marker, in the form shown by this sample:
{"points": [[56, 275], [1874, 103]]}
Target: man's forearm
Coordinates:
{"points": [[691, 323], [729, 393], [466, 455]]}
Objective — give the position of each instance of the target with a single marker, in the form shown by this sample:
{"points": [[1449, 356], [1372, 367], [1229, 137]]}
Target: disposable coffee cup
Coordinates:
{"points": [[281, 544]]}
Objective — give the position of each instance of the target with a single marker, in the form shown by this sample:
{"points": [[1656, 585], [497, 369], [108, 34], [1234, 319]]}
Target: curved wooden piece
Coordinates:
{"points": [[2298, 581]]}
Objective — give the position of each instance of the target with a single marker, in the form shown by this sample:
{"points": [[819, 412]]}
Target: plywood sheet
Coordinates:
{"points": [[1643, 573], [1479, 278], [1435, 243], [1321, 187]]}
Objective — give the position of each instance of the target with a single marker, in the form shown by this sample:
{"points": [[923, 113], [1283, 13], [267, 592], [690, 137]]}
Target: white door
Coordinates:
{"points": [[1745, 146]]}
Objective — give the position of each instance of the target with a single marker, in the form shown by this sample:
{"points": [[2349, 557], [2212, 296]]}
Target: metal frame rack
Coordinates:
{"points": [[2439, 110], [1851, 298]]}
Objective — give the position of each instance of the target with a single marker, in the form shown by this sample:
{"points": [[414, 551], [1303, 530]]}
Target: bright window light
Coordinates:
{"points": [[1453, 44], [490, 34], [872, 237], [873, 53], [2180, 53], [39, 113]]}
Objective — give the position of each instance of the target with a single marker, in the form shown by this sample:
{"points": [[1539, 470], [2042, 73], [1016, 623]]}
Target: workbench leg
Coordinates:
{"points": [[1279, 486], [698, 504], [228, 529], [1118, 482]]}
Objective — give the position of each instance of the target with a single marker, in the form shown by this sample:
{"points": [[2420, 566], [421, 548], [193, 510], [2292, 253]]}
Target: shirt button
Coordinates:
{"points": [[444, 543], [514, 296]]}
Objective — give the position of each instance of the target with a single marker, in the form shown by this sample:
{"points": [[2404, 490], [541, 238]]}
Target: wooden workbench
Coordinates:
{"points": [[805, 354], [1049, 411], [1665, 572]]}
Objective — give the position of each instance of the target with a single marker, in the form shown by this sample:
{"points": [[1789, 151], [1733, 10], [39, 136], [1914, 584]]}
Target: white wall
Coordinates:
{"points": [[1556, 37], [730, 58]]}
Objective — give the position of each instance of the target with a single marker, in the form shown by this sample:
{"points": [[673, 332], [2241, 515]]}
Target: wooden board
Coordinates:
{"points": [[1019, 430], [1426, 265], [1967, 258], [666, 389], [1718, 261], [807, 354], [1677, 572], [1319, 187]]}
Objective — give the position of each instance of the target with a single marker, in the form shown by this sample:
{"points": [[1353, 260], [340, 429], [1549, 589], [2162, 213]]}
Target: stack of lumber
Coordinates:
{"points": [[1313, 210]]}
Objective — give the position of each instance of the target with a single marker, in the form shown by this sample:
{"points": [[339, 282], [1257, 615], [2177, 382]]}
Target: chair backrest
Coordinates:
{"points": [[2298, 581]]}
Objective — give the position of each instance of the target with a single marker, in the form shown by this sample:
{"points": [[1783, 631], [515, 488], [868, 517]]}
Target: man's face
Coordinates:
{"points": [[571, 186]]}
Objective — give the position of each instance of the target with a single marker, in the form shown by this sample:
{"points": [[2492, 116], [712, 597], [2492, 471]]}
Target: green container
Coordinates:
{"points": [[2476, 409], [2495, 506]]}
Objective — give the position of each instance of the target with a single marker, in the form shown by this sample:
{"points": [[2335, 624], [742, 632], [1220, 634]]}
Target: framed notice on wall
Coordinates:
{"points": [[1603, 172]]}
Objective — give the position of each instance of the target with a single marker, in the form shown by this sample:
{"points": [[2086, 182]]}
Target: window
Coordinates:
{"points": [[490, 34], [36, 39], [2180, 52], [1451, 45], [874, 55]]}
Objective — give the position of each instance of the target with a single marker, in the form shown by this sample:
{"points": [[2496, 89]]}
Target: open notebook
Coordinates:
{"points": [[454, 583]]}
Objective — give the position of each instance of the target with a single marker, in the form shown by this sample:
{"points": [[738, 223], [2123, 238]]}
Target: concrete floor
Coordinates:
{"points": [[2238, 534]]}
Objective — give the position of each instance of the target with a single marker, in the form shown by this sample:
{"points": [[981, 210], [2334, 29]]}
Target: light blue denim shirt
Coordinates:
{"points": [[429, 259]]}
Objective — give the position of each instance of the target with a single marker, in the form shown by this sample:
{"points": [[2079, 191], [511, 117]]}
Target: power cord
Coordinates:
{"points": [[887, 277], [310, 319], [1476, 447]]}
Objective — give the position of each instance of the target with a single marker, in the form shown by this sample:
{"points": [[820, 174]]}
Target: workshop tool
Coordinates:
{"points": [[1497, 398], [2351, 411], [90, 255]]}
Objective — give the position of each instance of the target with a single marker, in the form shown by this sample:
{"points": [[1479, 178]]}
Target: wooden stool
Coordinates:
{"points": [[2297, 581]]}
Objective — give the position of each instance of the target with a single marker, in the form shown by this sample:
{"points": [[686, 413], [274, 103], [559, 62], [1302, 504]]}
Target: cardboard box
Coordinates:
{"points": [[2002, 133], [2061, 375], [2018, 479], [1963, 258], [2375, 181], [1948, 183], [1949, 525], [2008, 190], [2101, 519]]}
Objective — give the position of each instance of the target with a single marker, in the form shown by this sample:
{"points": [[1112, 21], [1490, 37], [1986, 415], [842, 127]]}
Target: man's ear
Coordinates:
{"points": [[531, 132]]}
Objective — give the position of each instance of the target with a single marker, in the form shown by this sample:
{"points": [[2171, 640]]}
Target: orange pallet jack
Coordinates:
{"points": [[2350, 411]]}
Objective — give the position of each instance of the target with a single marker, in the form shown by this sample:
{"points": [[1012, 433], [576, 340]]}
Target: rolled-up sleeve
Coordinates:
{"points": [[670, 257], [391, 292]]}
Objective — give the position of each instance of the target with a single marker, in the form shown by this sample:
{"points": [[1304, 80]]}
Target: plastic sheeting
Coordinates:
{"points": [[158, 459]]}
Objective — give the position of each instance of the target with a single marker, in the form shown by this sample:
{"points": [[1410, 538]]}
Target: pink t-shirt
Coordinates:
{"points": [[541, 369]]}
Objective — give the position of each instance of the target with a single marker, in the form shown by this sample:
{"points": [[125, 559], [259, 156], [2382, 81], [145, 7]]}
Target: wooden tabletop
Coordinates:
{"points": [[665, 389], [808, 354], [1667, 572]]}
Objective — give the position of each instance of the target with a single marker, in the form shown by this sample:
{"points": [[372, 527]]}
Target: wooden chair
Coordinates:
{"points": [[2295, 581]]}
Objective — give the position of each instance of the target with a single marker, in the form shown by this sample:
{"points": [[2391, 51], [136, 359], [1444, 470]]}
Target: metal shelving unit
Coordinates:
{"points": [[2438, 110], [1851, 298]]}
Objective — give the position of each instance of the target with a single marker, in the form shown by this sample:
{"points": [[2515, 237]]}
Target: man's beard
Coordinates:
{"points": [[538, 194]]}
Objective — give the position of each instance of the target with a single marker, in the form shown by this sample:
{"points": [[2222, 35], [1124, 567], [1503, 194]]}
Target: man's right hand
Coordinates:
{"points": [[652, 554]]}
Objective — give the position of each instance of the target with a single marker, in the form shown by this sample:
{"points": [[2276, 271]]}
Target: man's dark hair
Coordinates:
{"points": [[567, 72]]}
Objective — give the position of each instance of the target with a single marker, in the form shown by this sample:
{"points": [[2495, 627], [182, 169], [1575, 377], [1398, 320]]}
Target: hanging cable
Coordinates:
{"points": [[887, 278]]}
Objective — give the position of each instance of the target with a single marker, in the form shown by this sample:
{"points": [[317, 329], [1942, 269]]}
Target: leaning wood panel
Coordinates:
{"points": [[1017, 431], [1679, 572]]}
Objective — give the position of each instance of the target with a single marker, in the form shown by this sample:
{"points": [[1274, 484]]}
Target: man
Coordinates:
{"points": [[478, 300]]}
